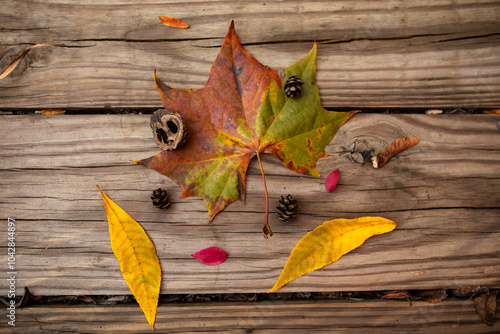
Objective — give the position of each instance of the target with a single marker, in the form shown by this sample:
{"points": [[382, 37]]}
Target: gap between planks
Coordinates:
{"points": [[325, 316]]}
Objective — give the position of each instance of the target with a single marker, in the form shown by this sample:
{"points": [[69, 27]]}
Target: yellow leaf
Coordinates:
{"points": [[137, 257], [328, 242]]}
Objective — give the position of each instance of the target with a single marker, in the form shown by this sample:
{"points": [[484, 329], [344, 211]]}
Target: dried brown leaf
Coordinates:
{"points": [[469, 291], [173, 22], [118, 299], [83, 298], [431, 296], [12, 66], [25, 300], [486, 305], [53, 111], [399, 145], [241, 297], [330, 295], [397, 294], [27, 297]]}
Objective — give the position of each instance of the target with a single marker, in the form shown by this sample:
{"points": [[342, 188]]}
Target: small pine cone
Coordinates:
{"points": [[287, 208], [293, 86], [160, 198]]}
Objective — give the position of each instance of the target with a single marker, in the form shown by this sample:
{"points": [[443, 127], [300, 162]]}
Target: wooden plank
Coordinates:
{"points": [[325, 316], [371, 53], [443, 193]]}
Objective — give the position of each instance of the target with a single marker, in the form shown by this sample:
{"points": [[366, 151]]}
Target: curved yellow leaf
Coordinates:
{"points": [[328, 242], [137, 257]]}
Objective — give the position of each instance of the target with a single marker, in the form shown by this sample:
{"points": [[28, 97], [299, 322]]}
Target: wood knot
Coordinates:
{"points": [[361, 151], [169, 129]]}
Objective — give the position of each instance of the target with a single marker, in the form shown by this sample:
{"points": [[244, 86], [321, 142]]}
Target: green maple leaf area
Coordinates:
{"points": [[240, 113]]}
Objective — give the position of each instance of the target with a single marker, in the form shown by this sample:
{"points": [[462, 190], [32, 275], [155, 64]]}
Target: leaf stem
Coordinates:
{"points": [[266, 229]]}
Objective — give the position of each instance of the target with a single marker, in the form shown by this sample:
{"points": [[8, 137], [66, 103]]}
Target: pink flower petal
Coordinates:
{"points": [[331, 180], [211, 256]]}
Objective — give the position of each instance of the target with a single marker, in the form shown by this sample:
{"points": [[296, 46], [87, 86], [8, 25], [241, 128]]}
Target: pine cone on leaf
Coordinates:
{"points": [[293, 86]]}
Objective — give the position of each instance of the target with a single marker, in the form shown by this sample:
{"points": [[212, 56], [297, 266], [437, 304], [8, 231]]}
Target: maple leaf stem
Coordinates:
{"points": [[266, 229]]}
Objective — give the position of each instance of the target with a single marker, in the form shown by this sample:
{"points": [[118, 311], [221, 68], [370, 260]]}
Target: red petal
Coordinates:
{"points": [[331, 180], [211, 256]]}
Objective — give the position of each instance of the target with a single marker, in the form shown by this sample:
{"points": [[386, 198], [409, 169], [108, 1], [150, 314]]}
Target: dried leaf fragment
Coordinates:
{"points": [[433, 111], [210, 256], [53, 111], [83, 298], [399, 145], [328, 242], [486, 306], [12, 66], [397, 294], [24, 301], [469, 291], [173, 22], [431, 296], [137, 257], [493, 111]]}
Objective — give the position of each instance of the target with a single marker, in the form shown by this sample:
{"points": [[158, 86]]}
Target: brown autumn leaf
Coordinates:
{"points": [[241, 113], [173, 22], [399, 145], [486, 306], [53, 111], [397, 294], [83, 298], [469, 291], [12, 66], [431, 296]]}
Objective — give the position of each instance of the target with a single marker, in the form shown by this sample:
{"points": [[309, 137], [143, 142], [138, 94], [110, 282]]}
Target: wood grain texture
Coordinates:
{"points": [[443, 193], [414, 54], [297, 317]]}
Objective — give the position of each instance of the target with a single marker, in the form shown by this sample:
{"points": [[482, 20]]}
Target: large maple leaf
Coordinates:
{"points": [[241, 112]]}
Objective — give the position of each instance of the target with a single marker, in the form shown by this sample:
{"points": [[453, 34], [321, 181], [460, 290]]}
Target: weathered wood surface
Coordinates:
{"points": [[325, 316], [443, 193], [417, 53]]}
